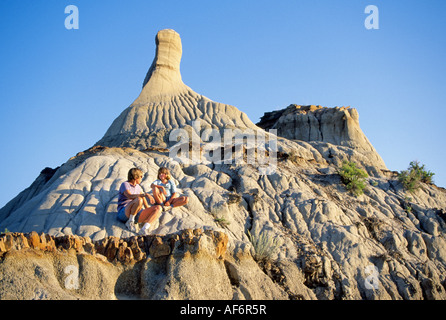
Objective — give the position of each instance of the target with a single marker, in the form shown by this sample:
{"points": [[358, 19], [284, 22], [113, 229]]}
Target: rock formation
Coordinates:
{"points": [[166, 103], [73, 267], [329, 130], [321, 241]]}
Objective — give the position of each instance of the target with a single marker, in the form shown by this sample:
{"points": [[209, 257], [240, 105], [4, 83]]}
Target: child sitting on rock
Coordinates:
{"points": [[165, 191], [131, 199]]}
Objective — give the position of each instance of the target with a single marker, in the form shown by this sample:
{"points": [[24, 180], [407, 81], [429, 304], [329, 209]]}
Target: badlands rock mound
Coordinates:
{"points": [[293, 233], [166, 103], [332, 131]]}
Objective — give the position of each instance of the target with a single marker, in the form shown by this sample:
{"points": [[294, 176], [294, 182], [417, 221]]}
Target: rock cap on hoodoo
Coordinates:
{"points": [[164, 77]]}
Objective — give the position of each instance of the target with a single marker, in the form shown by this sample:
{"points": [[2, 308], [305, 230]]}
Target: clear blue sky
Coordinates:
{"points": [[61, 89]]}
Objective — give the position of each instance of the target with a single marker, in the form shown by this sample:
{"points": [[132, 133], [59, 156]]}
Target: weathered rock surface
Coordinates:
{"points": [[166, 103], [39, 266], [384, 244], [329, 130]]}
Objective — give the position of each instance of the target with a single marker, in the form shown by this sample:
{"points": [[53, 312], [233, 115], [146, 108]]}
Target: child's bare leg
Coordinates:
{"points": [[133, 207], [150, 214], [130, 211], [180, 201], [159, 197]]}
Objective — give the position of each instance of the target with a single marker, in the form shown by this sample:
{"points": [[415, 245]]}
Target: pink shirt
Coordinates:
{"points": [[123, 201]]}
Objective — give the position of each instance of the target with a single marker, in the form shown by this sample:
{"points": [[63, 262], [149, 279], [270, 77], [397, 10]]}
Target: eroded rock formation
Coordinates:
{"points": [[325, 242], [39, 266], [166, 103], [334, 132]]}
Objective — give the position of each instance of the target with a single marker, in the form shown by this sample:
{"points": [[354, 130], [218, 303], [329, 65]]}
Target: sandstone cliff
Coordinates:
{"points": [[384, 244]]}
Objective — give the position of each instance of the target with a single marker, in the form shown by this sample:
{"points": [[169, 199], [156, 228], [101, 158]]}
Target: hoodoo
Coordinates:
{"points": [[166, 103], [164, 76]]}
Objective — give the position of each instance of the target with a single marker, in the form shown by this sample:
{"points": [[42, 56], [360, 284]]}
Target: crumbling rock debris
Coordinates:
{"points": [[127, 250]]}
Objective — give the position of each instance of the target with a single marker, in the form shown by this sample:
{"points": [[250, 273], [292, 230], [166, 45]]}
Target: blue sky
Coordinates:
{"points": [[61, 89]]}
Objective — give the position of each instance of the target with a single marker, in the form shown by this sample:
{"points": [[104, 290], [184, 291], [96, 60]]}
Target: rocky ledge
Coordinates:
{"points": [[189, 264], [114, 249]]}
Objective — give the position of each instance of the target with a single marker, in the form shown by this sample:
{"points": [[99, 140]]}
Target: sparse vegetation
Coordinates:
{"points": [[406, 205], [414, 176], [222, 221], [353, 177], [264, 245]]}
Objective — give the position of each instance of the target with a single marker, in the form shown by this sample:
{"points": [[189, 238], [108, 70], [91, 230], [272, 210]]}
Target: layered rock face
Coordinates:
{"points": [[321, 242], [148, 267], [327, 129]]}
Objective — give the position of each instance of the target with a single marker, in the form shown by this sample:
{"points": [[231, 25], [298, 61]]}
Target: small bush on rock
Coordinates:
{"points": [[353, 177], [264, 246], [414, 175]]}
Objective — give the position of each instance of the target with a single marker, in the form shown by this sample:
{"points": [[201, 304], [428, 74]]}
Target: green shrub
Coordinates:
{"points": [[414, 175], [353, 177], [264, 246], [222, 221]]}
